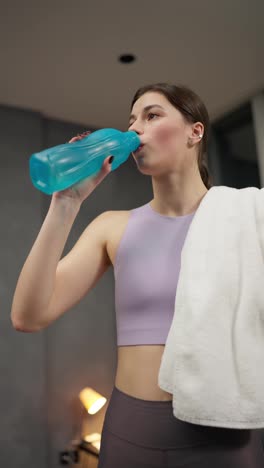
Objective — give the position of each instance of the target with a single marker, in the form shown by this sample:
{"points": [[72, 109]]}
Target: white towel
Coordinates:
{"points": [[213, 356]]}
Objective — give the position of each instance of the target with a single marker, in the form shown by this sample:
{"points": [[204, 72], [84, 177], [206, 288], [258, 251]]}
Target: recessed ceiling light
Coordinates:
{"points": [[127, 58]]}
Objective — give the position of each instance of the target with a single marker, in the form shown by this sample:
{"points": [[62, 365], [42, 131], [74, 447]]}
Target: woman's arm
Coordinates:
{"points": [[48, 286]]}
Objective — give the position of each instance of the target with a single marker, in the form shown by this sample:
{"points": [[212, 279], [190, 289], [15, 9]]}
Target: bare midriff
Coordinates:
{"points": [[137, 372], [137, 365]]}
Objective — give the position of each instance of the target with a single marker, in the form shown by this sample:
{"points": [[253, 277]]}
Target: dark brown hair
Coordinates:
{"points": [[193, 110]]}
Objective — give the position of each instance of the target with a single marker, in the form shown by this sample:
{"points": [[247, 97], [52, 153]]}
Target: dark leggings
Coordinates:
{"points": [[144, 434]]}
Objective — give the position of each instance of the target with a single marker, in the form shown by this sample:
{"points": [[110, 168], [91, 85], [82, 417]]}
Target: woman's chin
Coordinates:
{"points": [[145, 169]]}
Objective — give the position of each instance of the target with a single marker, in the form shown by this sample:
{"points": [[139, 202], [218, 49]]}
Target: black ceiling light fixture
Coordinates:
{"points": [[127, 58]]}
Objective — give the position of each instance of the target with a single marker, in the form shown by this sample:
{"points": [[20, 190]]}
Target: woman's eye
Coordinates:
{"points": [[151, 114]]}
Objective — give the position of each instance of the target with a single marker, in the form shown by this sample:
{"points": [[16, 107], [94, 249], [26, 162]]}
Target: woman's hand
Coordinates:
{"points": [[81, 190]]}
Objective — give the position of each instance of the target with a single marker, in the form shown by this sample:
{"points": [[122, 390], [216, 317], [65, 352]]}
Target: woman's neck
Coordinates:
{"points": [[177, 201]]}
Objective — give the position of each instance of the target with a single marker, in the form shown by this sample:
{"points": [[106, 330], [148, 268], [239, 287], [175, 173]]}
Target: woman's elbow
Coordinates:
{"points": [[22, 327]]}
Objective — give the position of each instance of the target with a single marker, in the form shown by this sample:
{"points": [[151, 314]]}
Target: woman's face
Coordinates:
{"points": [[162, 130]]}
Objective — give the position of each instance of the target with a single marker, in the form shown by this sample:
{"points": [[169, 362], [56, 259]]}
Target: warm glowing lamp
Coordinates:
{"points": [[91, 400], [94, 439]]}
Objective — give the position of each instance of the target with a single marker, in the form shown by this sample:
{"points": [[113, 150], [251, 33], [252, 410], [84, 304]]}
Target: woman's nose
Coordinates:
{"points": [[136, 128]]}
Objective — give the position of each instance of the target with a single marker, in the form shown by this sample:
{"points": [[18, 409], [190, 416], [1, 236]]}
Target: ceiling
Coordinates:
{"points": [[60, 58]]}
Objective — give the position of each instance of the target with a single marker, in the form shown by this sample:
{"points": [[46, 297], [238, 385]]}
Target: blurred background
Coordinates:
{"points": [[69, 66]]}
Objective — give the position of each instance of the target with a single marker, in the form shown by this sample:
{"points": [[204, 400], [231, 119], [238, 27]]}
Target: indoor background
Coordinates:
{"points": [[69, 66]]}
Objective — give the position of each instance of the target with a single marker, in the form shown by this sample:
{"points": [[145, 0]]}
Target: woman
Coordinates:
{"points": [[143, 245]]}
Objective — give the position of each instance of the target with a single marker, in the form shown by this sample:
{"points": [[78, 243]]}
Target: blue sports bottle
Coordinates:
{"points": [[61, 166]]}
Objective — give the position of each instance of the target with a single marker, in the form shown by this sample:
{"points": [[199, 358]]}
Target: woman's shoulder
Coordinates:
{"points": [[115, 215], [112, 221]]}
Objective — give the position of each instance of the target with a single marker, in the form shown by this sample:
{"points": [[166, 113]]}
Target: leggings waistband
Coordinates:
{"points": [[152, 424]]}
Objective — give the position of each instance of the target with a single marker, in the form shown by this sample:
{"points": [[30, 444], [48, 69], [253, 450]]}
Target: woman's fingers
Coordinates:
{"points": [[80, 136], [73, 140]]}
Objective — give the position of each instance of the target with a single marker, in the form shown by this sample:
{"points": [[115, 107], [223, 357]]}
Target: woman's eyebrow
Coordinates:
{"points": [[132, 116]]}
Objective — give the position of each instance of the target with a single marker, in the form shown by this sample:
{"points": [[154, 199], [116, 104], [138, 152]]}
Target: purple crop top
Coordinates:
{"points": [[146, 271]]}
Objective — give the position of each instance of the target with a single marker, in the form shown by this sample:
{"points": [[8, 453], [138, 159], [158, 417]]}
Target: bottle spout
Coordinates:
{"points": [[132, 140]]}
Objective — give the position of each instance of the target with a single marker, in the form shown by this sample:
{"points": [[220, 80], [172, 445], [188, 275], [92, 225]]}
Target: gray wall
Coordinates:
{"points": [[43, 373], [23, 397]]}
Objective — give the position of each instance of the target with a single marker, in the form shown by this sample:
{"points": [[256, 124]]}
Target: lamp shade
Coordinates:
{"points": [[91, 400]]}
